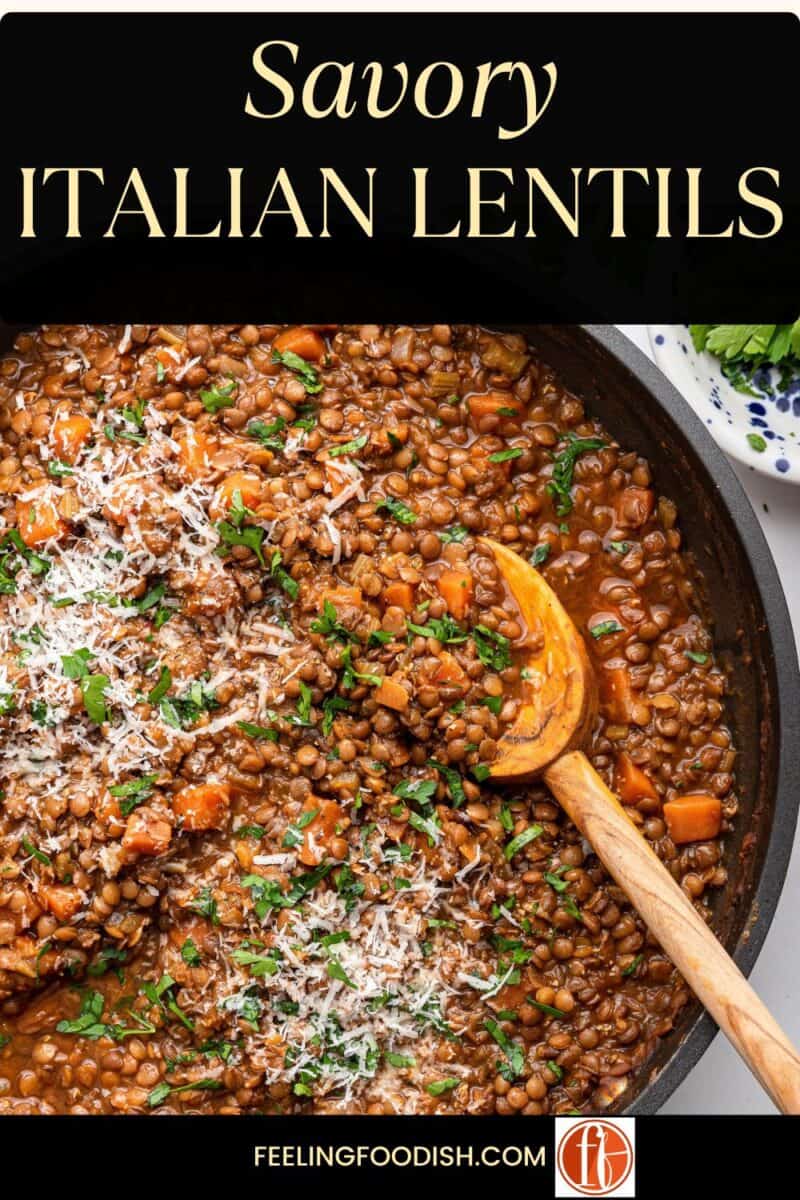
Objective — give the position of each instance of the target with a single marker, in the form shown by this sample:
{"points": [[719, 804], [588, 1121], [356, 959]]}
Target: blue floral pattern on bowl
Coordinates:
{"points": [[761, 430]]}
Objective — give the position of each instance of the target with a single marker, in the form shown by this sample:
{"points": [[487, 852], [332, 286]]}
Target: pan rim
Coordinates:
{"points": [[754, 548]]}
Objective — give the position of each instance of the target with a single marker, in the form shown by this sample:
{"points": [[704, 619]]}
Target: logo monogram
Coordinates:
{"points": [[595, 1156]]}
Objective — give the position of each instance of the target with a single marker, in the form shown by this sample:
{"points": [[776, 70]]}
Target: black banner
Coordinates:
{"points": [[696, 1155], [628, 168]]}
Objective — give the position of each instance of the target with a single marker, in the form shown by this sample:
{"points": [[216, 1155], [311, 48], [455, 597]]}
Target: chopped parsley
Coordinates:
{"points": [[540, 555], [216, 398], [133, 793], [606, 627], [206, 906], [522, 839], [444, 629], [560, 485], [257, 731], [351, 447], [453, 780], [282, 576], [39, 855], [306, 373], [163, 1090], [268, 434], [294, 832], [251, 536], [441, 1086], [330, 626], [330, 706], [455, 533], [190, 954], [514, 1065], [494, 650], [505, 455], [397, 509]]}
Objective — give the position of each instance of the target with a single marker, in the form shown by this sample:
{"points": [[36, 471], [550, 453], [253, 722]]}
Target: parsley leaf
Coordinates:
{"points": [[560, 485], [351, 447], [308, 374], [605, 627], [453, 780], [493, 649], [251, 536], [521, 840], [397, 509], [216, 398], [455, 533], [133, 793]]}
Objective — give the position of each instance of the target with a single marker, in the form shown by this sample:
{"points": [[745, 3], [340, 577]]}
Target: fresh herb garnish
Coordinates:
{"points": [[257, 731], [133, 793], [441, 1086], [560, 484], [540, 555], [351, 447], [157, 693], [494, 650], [606, 627], [268, 434], [206, 906], [216, 398], [453, 780], [294, 832], [455, 533], [444, 629], [515, 1055], [282, 576], [163, 1090], [522, 839], [39, 855], [307, 374], [397, 509], [190, 954], [505, 455], [330, 626]]}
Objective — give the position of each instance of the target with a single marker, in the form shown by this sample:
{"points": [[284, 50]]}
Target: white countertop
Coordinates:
{"points": [[720, 1083]]}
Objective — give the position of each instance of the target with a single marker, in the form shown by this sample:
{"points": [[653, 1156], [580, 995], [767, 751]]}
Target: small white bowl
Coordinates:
{"points": [[762, 431]]}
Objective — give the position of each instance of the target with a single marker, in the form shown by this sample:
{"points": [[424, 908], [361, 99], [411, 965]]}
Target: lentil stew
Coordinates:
{"points": [[253, 666]]}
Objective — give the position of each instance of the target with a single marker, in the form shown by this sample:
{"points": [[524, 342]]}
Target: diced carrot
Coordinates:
{"points": [[341, 594], [448, 670], [399, 595], [147, 832], [392, 694], [195, 449], [319, 832], [247, 484], [634, 505], [38, 520], [486, 404], [70, 433], [299, 340], [455, 586], [631, 782], [62, 901], [693, 818], [619, 699], [203, 807]]}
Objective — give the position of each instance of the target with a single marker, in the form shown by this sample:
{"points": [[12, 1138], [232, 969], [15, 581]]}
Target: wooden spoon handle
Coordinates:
{"points": [[684, 935]]}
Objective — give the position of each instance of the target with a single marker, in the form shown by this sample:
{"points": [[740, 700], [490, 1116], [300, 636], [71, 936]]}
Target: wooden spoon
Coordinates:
{"points": [[554, 722]]}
